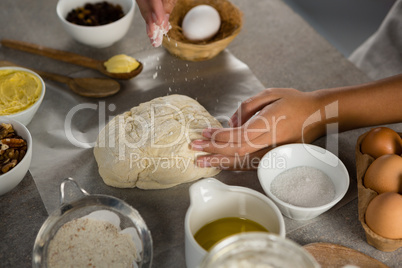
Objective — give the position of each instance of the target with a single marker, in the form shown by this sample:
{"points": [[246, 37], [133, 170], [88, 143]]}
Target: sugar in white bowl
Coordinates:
{"points": [[303, 186], [283, 159]]}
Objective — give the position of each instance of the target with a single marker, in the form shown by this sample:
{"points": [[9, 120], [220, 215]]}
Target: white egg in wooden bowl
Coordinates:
{"points": [[201, 29], [201, 23]]}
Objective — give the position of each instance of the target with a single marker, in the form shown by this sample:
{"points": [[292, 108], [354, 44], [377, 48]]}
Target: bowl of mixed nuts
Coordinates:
{"points": [[15, 153]]}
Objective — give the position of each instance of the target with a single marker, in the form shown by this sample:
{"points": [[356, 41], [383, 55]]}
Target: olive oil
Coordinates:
{"points": [[217, 230]]}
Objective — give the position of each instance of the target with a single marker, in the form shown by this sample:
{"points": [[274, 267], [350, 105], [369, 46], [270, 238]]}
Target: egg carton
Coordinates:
{"points": [[365, 195]]}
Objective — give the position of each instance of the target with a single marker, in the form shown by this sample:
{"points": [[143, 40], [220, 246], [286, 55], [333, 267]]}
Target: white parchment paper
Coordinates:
{"points": [[67, 125]]}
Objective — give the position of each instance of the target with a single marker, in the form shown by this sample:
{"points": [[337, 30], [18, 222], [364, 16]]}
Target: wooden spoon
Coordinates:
{"points": [[69, 57], [87, 87], [330, 255]]}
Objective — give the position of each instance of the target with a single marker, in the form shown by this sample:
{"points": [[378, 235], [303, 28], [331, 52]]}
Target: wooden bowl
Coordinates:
{"points": [[178, 45]]}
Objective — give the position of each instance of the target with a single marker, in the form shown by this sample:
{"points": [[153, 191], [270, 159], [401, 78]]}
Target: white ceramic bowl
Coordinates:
{"points": [[96, 36], [211, 199], [13, 177], [289, 156], [26, 115]]}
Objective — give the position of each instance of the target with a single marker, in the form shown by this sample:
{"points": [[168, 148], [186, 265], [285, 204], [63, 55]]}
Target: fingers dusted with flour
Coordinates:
{"points": [[156, 15]]}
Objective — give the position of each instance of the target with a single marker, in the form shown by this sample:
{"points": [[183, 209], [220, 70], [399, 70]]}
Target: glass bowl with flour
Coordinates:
{"points": [[303, 180], [92, 231]]}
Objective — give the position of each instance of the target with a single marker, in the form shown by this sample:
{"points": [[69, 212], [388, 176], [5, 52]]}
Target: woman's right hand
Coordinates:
{"points": [[273, 117], [287, 115], [156, 15]]}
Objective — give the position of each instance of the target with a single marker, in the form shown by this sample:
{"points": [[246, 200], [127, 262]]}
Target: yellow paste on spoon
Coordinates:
{"points": [[121, 64]]}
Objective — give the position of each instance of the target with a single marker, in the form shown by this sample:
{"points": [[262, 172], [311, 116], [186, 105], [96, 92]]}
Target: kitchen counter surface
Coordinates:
{"points": [[279, 48]]}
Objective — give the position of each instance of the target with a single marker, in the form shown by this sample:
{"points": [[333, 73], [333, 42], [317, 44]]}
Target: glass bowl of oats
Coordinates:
{"points": [[15, 153], [92, 231]]}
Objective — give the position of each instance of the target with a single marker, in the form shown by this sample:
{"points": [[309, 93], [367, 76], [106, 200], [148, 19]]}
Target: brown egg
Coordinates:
{"points": [[384, 215], [380, 141], [385, 174]]}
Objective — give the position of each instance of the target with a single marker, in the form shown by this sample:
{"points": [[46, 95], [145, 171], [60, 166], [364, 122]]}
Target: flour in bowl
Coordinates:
{"points": [[91, 243]]}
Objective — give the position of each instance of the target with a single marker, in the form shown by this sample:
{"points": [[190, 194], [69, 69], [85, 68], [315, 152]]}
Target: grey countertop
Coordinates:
{"points": [[279, 48]]}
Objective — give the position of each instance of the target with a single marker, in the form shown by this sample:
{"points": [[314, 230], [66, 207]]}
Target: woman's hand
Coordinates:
{"points": [[156, 15], [288, 115], [273, 117]]}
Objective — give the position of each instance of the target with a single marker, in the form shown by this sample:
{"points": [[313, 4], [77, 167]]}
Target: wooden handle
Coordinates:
{"points": [[51, 76], [52, 53], [333, 255]]}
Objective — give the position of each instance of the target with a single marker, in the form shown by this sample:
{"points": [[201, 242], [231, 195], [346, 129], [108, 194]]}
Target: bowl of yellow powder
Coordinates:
{"points": [[21, 93]]}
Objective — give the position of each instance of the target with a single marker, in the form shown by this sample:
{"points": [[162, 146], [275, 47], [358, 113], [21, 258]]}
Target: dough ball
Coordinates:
{"points": [[148, 146]]}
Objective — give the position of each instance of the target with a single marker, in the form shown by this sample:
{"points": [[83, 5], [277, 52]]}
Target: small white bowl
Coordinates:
{"points": [[26, 115], [13, 177], [96, 36], [290, 156]]}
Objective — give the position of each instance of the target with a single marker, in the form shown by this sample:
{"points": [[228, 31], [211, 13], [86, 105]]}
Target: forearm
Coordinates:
{"points": [[370, 104]]}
